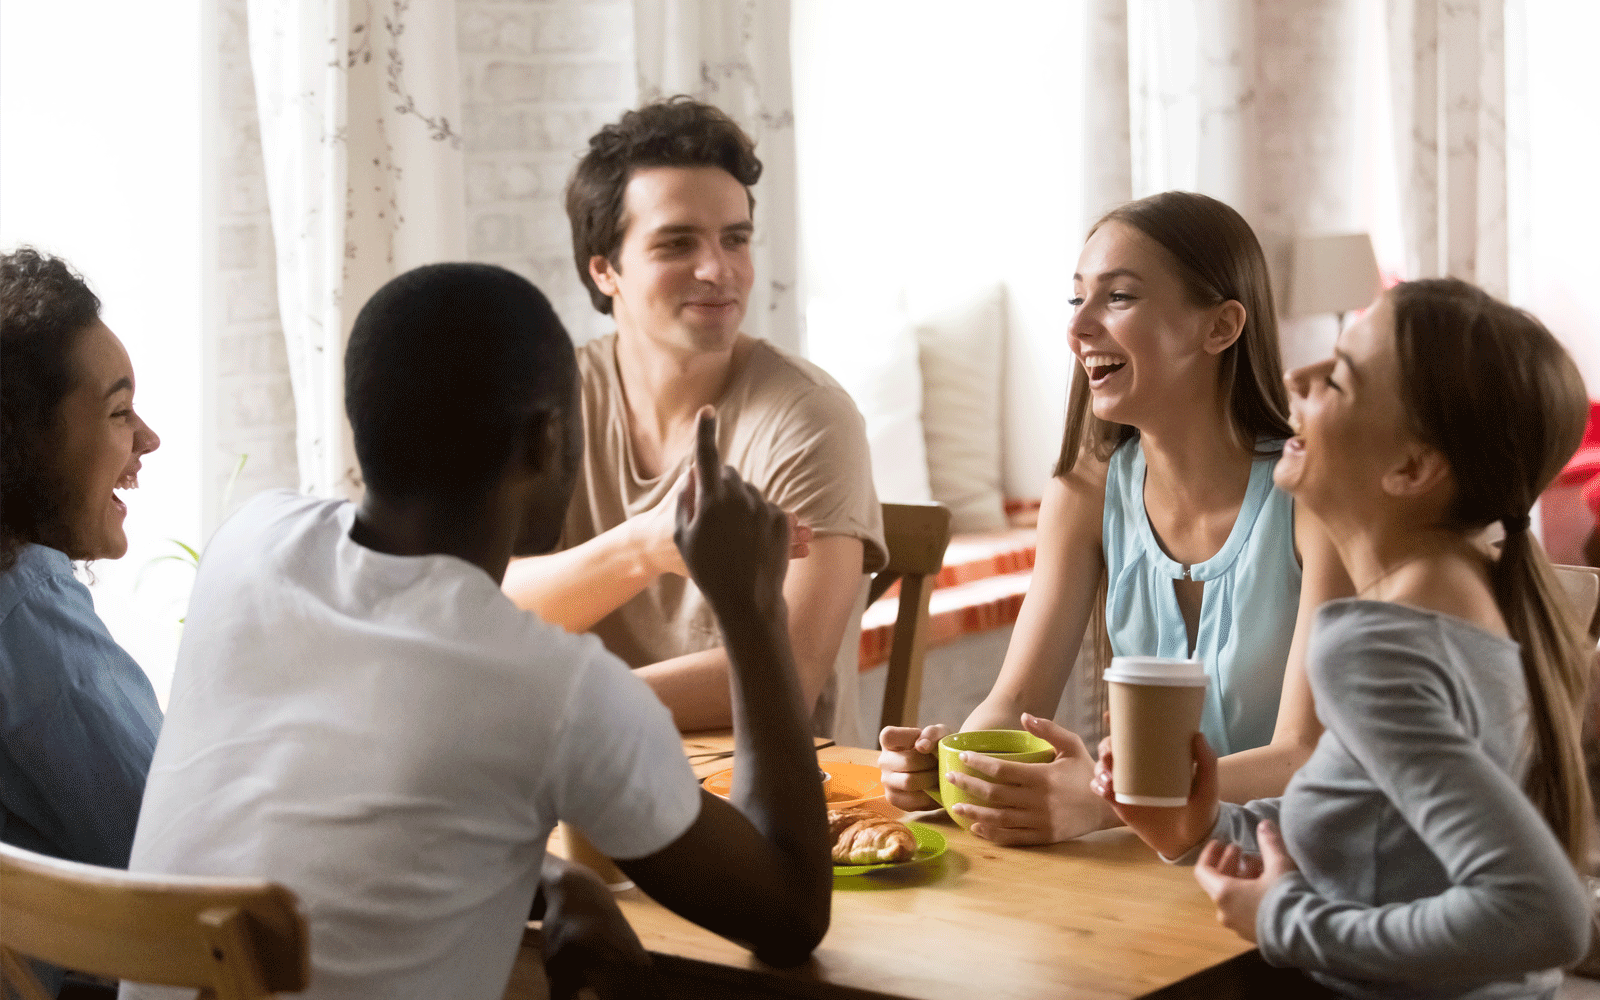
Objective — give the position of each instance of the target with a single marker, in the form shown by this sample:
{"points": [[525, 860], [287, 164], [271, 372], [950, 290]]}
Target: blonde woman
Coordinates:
{"points": [[1163, 516]]}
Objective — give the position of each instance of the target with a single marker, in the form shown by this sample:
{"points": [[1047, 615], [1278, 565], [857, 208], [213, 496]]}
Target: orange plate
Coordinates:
{"points": [[852, 783]]}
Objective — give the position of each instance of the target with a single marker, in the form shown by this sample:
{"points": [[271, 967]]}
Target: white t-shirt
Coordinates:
{"points": [[392, 739]]}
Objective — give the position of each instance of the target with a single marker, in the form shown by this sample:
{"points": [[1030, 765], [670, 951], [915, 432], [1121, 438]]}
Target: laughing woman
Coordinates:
{"points": [[1428, 847], [78, 718], [1162, 512]]}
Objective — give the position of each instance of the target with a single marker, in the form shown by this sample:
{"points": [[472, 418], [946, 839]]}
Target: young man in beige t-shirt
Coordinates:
{"points": [[660, 211]]}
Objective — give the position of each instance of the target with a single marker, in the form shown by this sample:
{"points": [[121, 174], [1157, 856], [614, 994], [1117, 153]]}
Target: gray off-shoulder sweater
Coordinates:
{"points": [[1425, 872]]}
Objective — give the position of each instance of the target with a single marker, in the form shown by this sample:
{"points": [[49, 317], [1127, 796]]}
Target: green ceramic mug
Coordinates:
{"points": [[1006, 744]]}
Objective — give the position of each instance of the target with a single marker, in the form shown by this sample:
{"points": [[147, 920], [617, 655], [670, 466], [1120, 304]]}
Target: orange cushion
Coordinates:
{"points": [[980, 588]]}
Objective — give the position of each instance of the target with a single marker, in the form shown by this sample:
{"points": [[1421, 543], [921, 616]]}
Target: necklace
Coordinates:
{"points": [[1408, 560]]}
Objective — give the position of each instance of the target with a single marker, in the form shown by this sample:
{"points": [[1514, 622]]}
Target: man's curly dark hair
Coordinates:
{"points": [[676, 132], [44, 306]]}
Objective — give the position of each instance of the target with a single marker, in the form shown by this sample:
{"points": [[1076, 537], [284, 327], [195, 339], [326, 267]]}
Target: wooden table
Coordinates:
{"points": [[1098, 917]]}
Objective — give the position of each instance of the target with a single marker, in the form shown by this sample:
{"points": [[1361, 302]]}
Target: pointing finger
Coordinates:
{"points": [[686, 496], [706, 459]]}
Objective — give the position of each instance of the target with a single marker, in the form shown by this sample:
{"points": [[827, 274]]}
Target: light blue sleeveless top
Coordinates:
{"points": [[1247, 613]]}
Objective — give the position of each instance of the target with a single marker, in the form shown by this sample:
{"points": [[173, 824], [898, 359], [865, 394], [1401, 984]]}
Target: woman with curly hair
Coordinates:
{"points": [[78, 717]]}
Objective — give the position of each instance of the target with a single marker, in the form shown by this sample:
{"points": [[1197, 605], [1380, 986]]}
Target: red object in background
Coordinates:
{"points": [[1583, 470], [1570, 508]]}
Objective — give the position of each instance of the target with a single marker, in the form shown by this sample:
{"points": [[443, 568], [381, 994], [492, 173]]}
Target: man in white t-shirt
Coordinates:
{"points": [[360, 713], [661, 229]]}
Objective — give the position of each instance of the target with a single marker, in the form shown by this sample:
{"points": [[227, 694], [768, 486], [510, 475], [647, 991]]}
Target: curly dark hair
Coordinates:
{"points": [[44, 306], [677, 132]]}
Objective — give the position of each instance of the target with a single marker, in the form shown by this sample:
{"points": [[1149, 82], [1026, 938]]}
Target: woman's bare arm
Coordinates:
{"points": [[1067, 568], [1264, 771], [1038, 662]]}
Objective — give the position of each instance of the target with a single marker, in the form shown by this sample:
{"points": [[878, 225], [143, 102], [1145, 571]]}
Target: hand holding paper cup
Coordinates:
{"points": [[1005, 744], [1155, 712]]}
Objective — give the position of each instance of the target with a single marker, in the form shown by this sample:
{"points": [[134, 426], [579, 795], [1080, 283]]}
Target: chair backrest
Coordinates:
{"points": [[232, 939], [1582, 584], [916, 535]]}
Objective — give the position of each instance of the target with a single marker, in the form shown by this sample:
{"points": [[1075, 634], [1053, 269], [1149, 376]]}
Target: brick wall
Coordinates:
{"points": [[538, 77]]}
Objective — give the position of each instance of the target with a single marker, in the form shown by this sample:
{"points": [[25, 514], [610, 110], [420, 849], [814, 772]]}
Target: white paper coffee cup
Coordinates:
{"points": [[1155, 712]]}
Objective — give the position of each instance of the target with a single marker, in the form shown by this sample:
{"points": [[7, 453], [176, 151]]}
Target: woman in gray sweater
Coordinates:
{"points": [[1429, 847]]}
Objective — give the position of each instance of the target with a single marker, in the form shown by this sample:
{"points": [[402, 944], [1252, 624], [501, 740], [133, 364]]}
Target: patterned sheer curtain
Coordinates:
{"points": [[359, 105], [1267, 105], [1447, 65], [735, 54], [1191, 94]]}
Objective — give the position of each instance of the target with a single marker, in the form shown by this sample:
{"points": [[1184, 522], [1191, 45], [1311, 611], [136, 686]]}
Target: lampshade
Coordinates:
{"points": [[1332, 274]]}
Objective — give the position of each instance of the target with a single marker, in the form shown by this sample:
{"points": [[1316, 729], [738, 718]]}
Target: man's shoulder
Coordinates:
{"points": [[271, 507], [596, 358], [770, 363], [264, 527], [784, 386]]}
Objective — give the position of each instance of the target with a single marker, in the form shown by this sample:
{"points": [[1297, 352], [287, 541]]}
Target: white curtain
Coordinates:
{"points": [[1108, 158], [1447, 68], [735, 54], [360, 108], [1192, 98]]}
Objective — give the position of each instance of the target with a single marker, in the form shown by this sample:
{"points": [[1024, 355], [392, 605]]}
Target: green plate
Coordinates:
{"points": [[930, 844]]}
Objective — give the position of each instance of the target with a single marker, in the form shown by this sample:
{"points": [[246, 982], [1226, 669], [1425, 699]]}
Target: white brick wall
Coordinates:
{"points": [[538, 77]]}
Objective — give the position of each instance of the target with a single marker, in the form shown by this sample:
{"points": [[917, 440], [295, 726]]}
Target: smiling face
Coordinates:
{"points": [[683, 273], [1350, 424], [1142, 341], [100, 440]]}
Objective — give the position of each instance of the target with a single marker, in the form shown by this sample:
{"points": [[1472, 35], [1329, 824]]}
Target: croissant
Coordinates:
{"points": [[838, 819], [862, 837]]}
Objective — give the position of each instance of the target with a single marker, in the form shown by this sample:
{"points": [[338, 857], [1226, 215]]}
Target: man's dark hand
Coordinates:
{"points": [[735, 543], [587, 941]]}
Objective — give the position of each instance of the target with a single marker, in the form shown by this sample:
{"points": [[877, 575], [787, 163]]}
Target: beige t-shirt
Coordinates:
{"points": [[788, 429]]}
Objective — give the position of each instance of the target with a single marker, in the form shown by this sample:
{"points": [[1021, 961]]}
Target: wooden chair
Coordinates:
{"points": [[1582, 584], [917, 535], [232, 939]]}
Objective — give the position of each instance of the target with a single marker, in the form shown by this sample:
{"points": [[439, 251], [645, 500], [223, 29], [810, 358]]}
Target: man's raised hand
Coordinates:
{"points": [[655, 533], [734, 543]]}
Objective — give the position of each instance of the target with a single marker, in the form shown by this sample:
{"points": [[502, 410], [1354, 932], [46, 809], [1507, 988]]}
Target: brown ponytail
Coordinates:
{"points": [[1556, 663], [1218, 258], [1493, 390]]}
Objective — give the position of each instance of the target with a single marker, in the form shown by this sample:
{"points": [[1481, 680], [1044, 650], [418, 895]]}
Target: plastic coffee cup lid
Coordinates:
{"points": [[1156, 670]]}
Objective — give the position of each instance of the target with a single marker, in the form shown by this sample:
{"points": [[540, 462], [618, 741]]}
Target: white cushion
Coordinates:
{"points": [[870, 349], [960, 339]]}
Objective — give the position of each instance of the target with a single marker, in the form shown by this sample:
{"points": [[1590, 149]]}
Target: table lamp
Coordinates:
{"points": [[1332, 274]]}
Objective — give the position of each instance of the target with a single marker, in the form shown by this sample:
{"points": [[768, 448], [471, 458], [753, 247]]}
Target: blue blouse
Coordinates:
{"points": [[1248, 607], [78, 718]]}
